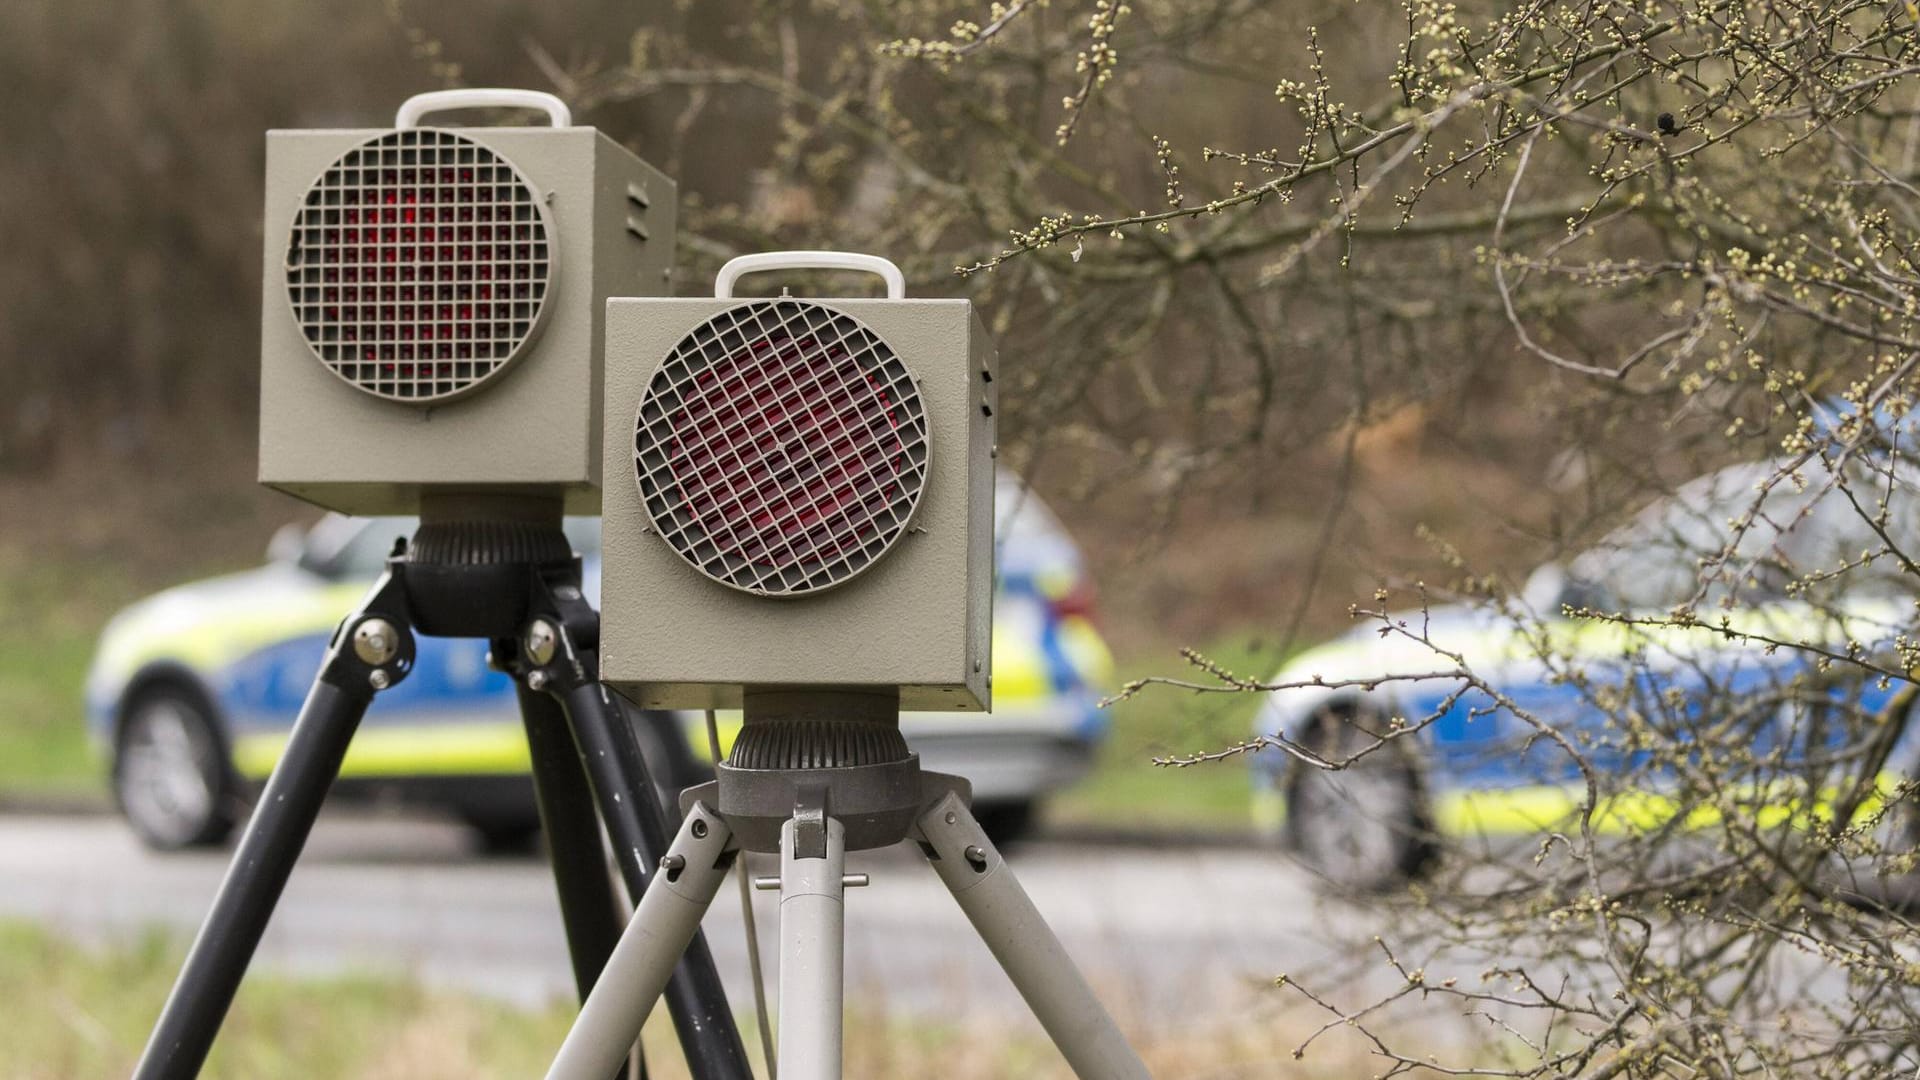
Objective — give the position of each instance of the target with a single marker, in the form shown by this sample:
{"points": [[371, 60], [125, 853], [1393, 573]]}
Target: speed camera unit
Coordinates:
{"points": [[433, 298], [799, 494]]}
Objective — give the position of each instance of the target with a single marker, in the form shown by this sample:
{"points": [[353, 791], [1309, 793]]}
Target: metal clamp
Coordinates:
{"points": [[809, 260], [412, 109]]}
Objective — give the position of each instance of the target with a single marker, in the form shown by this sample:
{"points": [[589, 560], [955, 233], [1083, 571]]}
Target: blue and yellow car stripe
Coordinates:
{"points": [[442, 749], [1536, 809], [1477, 787]]}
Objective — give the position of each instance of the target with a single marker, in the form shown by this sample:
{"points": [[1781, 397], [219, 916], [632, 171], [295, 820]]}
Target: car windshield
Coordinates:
{"points": [[1029, 542], [341, 547], [1670, 551]]}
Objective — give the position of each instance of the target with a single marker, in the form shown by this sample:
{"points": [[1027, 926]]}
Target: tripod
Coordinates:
{"points": [[812, 776], [496, 567]]}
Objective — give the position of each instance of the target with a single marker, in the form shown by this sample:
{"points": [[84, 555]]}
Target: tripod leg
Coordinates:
{"points": [[558, 655], [588, 906], [1026, 948], [812, 949], [637, 973], [695, 998], [274, 836]]}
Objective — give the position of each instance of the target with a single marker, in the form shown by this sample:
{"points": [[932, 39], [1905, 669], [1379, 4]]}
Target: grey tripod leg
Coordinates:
{"points": [[661, 928], [1026, 948], [812, 949]]}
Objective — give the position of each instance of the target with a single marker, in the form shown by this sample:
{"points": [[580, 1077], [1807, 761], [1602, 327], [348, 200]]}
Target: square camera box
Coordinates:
{"points": [[919, 617], [374, 287]]}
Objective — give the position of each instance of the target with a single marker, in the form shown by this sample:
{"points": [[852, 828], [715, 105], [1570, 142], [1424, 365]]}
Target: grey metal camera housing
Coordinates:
{"points": [[919, 617], [531, 426]]}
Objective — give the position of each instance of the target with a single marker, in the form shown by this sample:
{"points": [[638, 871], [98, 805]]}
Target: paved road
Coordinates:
{"points": [[1160, 931]]}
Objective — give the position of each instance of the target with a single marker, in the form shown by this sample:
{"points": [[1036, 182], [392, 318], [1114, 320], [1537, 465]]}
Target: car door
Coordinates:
{"points": [[452, 714]]}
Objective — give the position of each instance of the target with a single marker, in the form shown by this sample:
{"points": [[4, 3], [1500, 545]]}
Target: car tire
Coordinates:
{"points": [[171, 776], [1366, 827], [1008, 822]]}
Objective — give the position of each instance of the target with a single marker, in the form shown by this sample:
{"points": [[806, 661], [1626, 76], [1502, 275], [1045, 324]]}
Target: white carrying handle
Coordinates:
{"points": [[412, 109], [808, 260]]}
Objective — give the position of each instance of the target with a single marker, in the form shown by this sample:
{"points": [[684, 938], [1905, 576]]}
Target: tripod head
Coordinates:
{"points": [[836, 753], [469, 563]]}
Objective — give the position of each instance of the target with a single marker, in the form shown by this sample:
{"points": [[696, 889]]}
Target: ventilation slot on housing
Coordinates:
{"points": [[781, 448], [419, 265]]}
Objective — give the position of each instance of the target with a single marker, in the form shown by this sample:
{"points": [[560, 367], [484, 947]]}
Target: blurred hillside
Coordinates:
{"points": [[130, 194]]}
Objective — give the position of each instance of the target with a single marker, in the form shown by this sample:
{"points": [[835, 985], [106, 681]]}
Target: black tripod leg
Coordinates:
{"points": [[588, 907], [274, 836], [558, 654], [695, 998]]}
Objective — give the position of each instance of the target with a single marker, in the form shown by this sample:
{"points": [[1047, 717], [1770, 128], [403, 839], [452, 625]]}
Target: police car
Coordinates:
{"points": [[1475, 767], [193, 691]]}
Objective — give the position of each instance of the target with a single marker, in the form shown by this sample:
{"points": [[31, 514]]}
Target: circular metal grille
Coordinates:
{"points": [[781, 448], [419, 265]]}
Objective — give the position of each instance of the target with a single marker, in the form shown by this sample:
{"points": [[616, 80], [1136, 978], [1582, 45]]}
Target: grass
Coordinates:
{"points": [[80, 1012], [54, 611], [1126, 789], [77, 1012]]}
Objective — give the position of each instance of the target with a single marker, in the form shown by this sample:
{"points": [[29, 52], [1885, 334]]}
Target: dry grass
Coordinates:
{"points": [[77, 1012]]}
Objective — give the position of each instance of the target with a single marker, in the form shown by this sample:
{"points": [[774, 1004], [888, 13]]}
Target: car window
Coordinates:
{"points": [[363, 553], [1668, 551], [1029, 540], [1018, 513], [1836, 529], [350, 548], [584, 534]]}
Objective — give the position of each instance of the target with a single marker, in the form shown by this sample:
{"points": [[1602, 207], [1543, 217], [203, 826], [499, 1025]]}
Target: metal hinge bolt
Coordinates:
{"points": [[375, 641], [542, 642]]}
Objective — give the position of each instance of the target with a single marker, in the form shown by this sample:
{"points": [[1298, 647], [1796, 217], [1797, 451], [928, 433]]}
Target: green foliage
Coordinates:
{"points": [[55, 610], [81, 1012], [1128, 790], [78, 1011]]}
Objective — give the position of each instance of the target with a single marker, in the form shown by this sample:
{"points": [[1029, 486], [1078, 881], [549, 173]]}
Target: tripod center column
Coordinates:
{"points": [[813, 859]]}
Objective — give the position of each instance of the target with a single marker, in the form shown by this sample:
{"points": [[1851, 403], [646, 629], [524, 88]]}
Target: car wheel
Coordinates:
{"points": [[1006, 823], [1366, 827], [171, 776]]}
